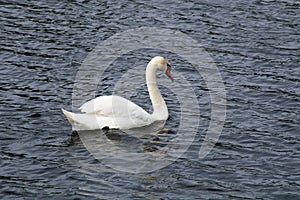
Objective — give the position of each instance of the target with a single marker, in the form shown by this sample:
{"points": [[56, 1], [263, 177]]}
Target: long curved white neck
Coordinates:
{"points": [[160, 110]]}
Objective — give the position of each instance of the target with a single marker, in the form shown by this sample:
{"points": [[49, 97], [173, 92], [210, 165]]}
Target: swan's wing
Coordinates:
{"points": [[100, 105], [119, 108]]}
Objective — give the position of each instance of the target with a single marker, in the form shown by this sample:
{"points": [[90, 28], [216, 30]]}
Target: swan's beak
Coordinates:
{"points": [[168, 72]]}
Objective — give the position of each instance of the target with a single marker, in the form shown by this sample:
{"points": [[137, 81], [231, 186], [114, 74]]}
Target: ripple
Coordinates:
{"points": [[254, 44]]}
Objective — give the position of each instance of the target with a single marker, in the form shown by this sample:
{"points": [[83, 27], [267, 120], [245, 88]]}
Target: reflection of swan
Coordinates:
{"points": [[116, 112]]}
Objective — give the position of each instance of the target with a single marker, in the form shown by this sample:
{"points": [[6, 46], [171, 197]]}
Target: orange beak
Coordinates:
{"points": [[168, 72]]}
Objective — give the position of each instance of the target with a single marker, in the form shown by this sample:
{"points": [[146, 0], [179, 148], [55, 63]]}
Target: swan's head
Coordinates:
{"points": [[162, 64]]}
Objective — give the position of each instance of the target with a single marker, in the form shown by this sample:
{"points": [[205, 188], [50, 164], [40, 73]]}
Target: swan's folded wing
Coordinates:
{"points": [[100, 105], [140, 116], [124, 112]]}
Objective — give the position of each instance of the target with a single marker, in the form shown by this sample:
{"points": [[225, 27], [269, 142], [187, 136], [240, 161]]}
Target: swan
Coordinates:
{"points": [[115, 112]]}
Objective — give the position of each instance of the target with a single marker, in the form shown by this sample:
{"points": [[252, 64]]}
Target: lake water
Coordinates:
{"points": [[254, 44]]}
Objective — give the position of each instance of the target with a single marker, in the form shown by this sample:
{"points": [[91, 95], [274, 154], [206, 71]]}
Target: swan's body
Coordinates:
{"points": [[116, 112]]}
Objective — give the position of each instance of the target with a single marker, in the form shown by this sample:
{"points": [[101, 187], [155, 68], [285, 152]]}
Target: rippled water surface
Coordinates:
{"points": [[255, 45]]}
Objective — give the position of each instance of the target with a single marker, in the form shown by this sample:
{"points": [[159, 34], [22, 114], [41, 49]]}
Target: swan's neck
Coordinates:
{"points": [[160, 110]]}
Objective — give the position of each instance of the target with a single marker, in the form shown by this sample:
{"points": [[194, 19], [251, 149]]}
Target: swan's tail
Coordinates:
{"points": [[86, 121], [69, 115]]}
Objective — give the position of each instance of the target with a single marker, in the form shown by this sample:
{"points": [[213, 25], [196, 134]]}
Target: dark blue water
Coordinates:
{"points": [[255, 45]]}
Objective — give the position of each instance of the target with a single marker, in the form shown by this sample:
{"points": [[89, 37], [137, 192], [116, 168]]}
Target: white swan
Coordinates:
{"points": [[116, 112]]}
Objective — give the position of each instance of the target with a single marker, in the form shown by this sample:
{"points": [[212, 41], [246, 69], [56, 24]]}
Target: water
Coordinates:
{"points": [[255, 45]]}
